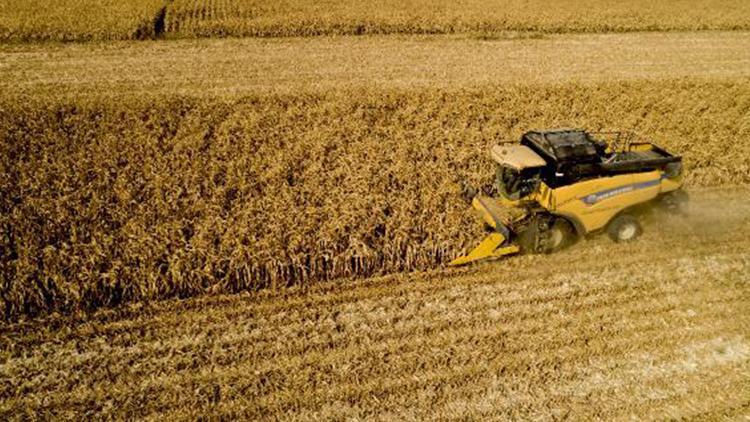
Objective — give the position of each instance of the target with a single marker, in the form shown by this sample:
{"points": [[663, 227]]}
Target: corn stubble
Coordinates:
{"points": [[131, 199], [649, 332]]}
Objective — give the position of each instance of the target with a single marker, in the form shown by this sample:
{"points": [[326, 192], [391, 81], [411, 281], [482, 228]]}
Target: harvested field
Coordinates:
{"points": [[653, 329], [319, 181], [238, 67], [216, 18]]}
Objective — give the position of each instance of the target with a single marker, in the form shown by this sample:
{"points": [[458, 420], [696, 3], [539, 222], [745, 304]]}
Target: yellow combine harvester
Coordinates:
{"points": [[559, 185]]}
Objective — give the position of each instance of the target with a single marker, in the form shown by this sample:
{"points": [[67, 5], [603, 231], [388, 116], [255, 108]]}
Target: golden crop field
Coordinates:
{"points": [[657, 330], [210, 211], [305, 17], [232, 68], [77, 20], [137, 199], [157, 181]]}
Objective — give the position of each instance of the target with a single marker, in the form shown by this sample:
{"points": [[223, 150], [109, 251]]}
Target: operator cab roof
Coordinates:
{"points": [[516, 156], [560, 145]]}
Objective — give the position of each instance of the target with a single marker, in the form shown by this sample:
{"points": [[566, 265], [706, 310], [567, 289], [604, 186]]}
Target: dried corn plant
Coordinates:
{"points": [[524, 338], [130, 199], [79, 20], [488, 19]]}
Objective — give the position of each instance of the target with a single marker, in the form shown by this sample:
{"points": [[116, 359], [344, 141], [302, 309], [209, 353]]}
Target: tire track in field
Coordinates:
{"points": [[168, 318], [522, 309], [513, 338], [250, 368], [326, 295]]}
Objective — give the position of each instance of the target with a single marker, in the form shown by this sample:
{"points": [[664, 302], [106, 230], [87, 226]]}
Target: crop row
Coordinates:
{"points": [[211, 18], [78, 20], [75, 20], [133, 199], [457, 346]]}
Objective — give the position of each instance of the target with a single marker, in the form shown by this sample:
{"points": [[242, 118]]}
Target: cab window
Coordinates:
{"points": [[514, 184]]}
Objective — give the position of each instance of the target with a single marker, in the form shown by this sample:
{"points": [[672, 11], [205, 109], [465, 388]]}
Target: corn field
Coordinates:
{"points": [[653, 329], [78, 20], [242, 210], [126, 200], [82, 20], [335, 17]]}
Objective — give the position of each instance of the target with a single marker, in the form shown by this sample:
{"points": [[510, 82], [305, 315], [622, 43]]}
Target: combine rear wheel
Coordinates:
{"points": [[624, 228]]}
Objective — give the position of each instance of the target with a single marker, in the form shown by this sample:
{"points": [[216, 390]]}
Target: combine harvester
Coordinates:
{"points": [[560, 185]]}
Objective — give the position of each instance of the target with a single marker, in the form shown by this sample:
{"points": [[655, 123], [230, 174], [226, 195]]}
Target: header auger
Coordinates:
{"points": [[559, 185]]}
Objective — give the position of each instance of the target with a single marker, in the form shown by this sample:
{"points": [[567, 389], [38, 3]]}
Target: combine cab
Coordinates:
{"points": [[558, 185]]}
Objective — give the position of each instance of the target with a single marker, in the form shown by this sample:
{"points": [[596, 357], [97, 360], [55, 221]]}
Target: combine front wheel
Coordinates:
{"points": [[560, 236], [546, 234]]}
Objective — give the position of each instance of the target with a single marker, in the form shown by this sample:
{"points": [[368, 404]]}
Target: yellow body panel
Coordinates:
{"points": [[590, 204], [593, 203], [544, 196], [483, 212]]}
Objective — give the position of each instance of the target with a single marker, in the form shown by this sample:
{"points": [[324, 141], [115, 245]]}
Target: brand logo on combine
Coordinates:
{"points": [[606, 194]]}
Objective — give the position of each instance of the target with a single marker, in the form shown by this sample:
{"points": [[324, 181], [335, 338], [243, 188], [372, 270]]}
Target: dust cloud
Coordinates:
{"points": [[710, 211]]}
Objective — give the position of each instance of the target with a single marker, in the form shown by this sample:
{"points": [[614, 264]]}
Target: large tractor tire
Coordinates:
{"points": [[560, 236], [547, 234]]}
